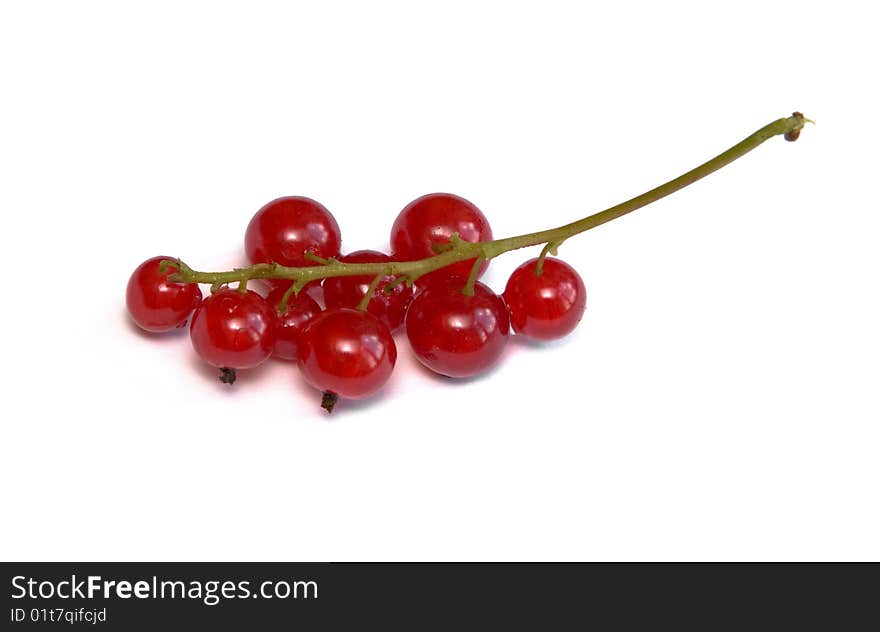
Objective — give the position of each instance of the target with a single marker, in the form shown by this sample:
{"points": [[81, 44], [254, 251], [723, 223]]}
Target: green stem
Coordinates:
{"points": [[468, 289], [459, 250], [285, 298], [368, 295]]}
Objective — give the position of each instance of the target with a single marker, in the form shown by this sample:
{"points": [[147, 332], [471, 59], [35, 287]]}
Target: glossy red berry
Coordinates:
{"points": [[348, 291], [431, 219], [156, 304], [548, 306], [454, 334], [347, 352], [234, 330], [284, 229], [301, 309]]}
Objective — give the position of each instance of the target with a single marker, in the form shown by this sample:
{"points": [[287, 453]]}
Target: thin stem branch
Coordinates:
{"points": [[468, 289], [368, 295], [285, 298], [460, 250]]}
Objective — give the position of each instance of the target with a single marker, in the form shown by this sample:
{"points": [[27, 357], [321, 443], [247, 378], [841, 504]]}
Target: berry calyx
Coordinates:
{"points": [[432, 220], [233, 330], [227, 375], [157, 304], [457, 335], [545, 306], [328, 401], [347, 353], [387, 306]]}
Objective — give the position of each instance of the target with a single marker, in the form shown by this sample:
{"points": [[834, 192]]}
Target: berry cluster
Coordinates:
{"points": [[456, 325], [335, 314]]}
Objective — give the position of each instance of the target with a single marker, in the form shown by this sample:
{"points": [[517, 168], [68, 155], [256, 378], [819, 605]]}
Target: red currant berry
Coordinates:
{"points": [[548, 306], [454, 334], [234, 330], [285, 229], [431, 219], [301, 309], [348, 291], [156, 304], [347, 352]]}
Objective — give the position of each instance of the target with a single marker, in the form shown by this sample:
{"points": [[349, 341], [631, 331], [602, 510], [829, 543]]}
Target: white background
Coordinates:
{"points": [[719, 401]]}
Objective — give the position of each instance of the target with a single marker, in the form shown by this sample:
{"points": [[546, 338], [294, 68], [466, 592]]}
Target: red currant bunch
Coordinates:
{"points": [[335, 314], [340, 332]]}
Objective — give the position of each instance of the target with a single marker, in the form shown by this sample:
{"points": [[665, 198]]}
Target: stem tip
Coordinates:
{"points": [[794, 133]]}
